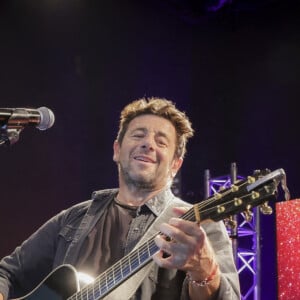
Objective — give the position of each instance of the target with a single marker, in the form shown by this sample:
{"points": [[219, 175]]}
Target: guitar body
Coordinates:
{"points": [[60, 284]]}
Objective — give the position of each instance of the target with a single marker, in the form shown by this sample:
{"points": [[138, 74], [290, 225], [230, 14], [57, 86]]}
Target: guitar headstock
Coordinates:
{"points": [[243, 195]]}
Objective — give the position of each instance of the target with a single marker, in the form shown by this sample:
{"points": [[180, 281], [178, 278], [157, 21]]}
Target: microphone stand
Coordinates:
{"points": [[12, 127], [9, 136]]}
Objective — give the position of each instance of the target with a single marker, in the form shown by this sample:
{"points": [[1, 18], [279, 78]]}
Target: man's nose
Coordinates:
{"points": [[148, 143]]}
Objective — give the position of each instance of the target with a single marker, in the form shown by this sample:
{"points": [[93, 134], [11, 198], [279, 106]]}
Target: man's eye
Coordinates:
{"points": [[162, 143], [138, 135]]}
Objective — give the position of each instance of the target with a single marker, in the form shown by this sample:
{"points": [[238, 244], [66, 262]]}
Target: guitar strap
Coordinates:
{"points": [[126, 290]]}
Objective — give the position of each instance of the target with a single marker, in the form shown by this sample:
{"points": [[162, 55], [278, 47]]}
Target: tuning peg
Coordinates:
{"points": [[266, 209], [222, 188], [254, 195], [237, 201], [260, 173], [230, 223], [234, 188], [217, 196], [248, 214], [220, 209], [250, 179]]}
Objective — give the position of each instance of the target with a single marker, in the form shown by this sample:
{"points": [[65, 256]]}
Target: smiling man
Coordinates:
{"points": [[146, 157], [191, 260]]}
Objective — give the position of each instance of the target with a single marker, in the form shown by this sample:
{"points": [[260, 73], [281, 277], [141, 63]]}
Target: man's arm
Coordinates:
{"points": [[29, 263]]}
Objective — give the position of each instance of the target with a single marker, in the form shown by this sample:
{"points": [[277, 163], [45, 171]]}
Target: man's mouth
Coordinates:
{"points": [[144, 159]]}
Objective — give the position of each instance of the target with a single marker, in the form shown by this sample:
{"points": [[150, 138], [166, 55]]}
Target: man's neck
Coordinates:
{"points": [[134, 197]]}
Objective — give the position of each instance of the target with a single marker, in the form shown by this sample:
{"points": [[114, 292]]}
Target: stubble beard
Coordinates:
{"points": [[138, 182]]}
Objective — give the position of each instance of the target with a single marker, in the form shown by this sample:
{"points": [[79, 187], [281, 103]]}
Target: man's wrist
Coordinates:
{"points": [[205, 281]]}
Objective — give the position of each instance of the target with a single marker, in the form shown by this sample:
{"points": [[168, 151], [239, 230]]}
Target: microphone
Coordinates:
{"points": [[13, 121], [17, 118]]}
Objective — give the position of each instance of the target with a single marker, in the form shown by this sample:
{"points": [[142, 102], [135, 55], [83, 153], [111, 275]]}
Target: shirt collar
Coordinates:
{"points": [[159, 202], [156, 204]]}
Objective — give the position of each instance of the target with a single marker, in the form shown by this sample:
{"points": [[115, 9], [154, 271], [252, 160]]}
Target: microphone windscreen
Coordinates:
{"points": [[47, 118]]}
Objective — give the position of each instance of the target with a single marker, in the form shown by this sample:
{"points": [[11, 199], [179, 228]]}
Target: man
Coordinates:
{"points": [[192, 262]]}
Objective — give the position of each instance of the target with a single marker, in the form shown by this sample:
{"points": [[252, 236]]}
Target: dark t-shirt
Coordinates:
{"points": [[107, 241]]}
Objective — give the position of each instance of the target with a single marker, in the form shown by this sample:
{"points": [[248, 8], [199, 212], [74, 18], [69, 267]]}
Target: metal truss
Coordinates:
{"points": [[245, 239]]}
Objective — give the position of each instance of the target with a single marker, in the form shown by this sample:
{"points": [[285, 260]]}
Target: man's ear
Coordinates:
{"points": [[177, 163], [116, 147]]}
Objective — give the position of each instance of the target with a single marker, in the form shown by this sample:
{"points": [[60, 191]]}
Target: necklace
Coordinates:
{"points": [[130, 207]]}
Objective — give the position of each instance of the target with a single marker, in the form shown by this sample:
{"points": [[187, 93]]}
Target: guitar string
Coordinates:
{"points": [[108, 277]]}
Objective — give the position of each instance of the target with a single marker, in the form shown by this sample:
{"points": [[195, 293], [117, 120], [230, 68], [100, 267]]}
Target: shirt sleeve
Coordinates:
{"points": [[18, 270]]}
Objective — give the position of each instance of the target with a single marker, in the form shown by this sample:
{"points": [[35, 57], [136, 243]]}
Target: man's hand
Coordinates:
{"points": [[184, 245]]}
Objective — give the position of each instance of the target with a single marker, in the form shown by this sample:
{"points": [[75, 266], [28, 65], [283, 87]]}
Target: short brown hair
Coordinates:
{"points": [[163, 108]]}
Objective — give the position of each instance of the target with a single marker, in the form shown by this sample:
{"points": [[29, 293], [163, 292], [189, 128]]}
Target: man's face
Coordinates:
{"points": [[146, 157]]}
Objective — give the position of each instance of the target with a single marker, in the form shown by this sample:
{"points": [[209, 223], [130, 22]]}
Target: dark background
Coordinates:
{"points": [[234, 70]]}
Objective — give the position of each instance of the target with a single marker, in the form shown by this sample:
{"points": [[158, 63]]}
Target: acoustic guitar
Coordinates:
{"points": [[63, 282]]}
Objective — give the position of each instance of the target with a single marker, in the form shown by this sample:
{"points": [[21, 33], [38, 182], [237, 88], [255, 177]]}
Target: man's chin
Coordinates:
{"points": [[141, 182]]}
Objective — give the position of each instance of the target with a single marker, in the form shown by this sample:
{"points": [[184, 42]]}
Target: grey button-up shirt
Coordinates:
{"points": [[60, 239]]}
